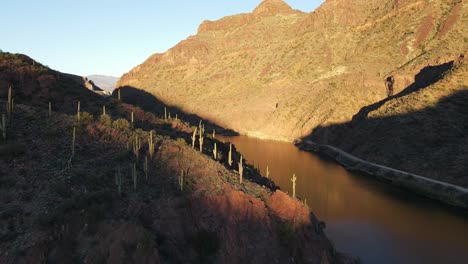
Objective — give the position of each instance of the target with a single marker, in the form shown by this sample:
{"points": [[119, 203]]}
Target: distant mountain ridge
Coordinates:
{"points": [[107, 83], [279, 73]]}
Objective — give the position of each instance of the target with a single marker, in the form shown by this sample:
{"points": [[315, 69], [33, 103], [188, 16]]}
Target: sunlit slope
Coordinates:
{"points": [[278, 73]]}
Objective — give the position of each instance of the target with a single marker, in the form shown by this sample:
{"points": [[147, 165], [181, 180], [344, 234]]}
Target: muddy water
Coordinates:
{"points": [[366, 218]]}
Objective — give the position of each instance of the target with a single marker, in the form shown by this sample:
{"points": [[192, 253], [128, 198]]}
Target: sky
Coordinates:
{"points": [[109, 37]]}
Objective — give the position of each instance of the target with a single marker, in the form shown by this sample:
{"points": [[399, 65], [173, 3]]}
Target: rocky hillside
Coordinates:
{"points": [[36, 84], [422, 129], [279, 73], [89, 188]]}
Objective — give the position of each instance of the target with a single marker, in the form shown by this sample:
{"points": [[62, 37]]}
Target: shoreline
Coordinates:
{"points": [[437, 190]]}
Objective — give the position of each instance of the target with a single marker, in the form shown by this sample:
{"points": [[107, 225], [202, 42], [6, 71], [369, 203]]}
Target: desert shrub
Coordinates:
{"points": [[86, 118], [105, 120], [121, 124], [180, 142]]}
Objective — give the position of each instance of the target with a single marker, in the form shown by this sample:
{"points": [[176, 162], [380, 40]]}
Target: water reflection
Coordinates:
{"points": [[369, 219]]}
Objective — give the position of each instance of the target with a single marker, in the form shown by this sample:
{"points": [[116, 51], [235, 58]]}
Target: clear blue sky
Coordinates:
{"points": [[109, 37]]}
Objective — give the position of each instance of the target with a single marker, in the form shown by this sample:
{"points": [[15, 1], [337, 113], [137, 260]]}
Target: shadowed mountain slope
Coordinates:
{"points": [[422, 130]]}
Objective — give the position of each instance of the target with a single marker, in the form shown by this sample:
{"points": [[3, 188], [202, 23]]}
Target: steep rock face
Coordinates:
{"points": [[279, 73]]}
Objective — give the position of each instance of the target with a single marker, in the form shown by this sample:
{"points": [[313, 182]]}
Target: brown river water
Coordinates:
{"points": [[364, 217]]}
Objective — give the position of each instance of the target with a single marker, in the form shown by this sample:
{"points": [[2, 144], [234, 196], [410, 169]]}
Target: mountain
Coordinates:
{"points": [[279, 73], [107, 83], [36, 84]]}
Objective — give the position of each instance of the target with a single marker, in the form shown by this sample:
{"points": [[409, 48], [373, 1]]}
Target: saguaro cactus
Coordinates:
{"points": [[214, 134], [215, 152], [151, 145], [132, 120], [9, 103], [118, 95], [104, 110], [200, 139], [78, 112], [267, 172], [230, 154], [118, 180], [293, 179], [241, 170], [136, 146], [165, 113], [194, 136], [73, 141], [146, 167], [50, 108], [181, 180]]}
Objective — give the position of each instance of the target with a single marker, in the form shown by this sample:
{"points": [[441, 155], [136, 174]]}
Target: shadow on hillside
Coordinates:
{"points": [[427, 76], [152, 221], [63, 92], [432, 142], [150, 103]]}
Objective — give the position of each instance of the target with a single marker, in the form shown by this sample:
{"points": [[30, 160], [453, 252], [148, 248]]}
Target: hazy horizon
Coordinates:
{"points": [[109, 37]]}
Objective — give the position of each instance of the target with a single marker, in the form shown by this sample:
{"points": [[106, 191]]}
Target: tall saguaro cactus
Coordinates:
{"points": [[194, 136], [118, 180], [73, 141], [200, 139], [151, 145], [136, 146], [241, 171], [78, 110], [146, 168], [215, 152], [9, 103], [293, 179], [181, 180], [230, 154]]}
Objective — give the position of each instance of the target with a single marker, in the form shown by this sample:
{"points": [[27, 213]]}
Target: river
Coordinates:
{"points": [[364, 217]]}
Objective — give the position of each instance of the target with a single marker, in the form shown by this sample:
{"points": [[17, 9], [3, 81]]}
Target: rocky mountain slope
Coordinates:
{"points": [[422, 129], [80, 189], [279, 73]]}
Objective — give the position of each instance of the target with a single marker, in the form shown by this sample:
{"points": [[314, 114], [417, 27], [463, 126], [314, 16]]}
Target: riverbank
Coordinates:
{"points": [[444, 192]]}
